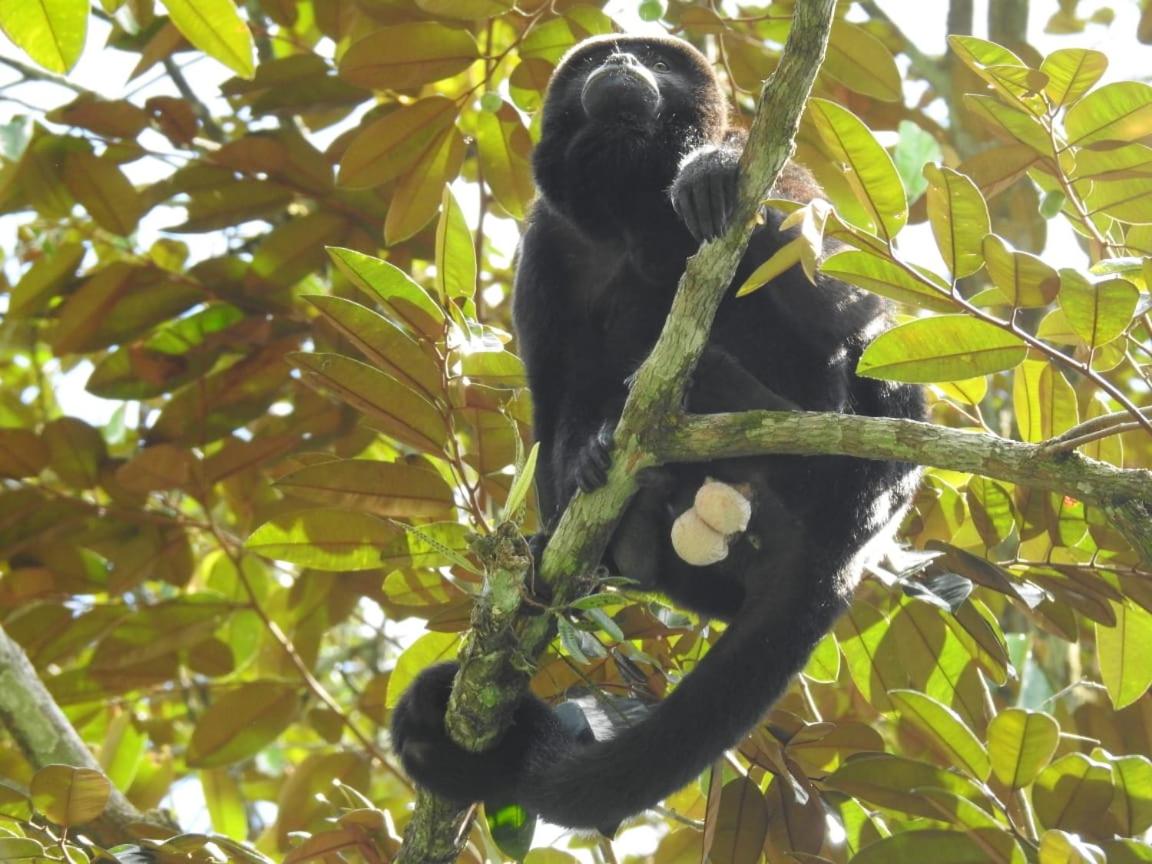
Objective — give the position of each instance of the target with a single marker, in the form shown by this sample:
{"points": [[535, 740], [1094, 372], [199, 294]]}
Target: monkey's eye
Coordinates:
{"points": [[660, 66]]}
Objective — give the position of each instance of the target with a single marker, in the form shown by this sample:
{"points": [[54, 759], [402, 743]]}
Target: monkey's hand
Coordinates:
{"points": [[594, 460], [720, 513], [435, 761], [704, 192]]}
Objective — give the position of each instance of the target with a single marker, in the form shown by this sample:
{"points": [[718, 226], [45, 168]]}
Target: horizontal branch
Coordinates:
{"points": [[1124, 494]]}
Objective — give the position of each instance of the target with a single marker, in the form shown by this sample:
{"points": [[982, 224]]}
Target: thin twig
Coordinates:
{"points": [[31, 73], [211, 129]]}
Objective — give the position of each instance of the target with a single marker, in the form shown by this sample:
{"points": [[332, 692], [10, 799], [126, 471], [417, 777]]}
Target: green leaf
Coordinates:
{"points": [[101, 187], [455, 251], [823, 664], [429, 649], [1125, 199], [944, 727], [881, 275], [382, 488], [416, 197], [1071, 73], [604, 622], [1023, 278], [1133, 775], [225, 802], [389, 405], [986, 845], [216, 28], [379, 280], [512, 828], [784, 258], [894, 781], [1125, 653], [1044, 403], [959, 218], [465, 10], [523, 482], [242, 722], [387, 147], [821, 748], [943, 348], [23, 850], [51, 32], [915, 150], [1011, 122], [383, 343], [504, 148], [44, 280], [1098, 312], [550, 856], [343, 540], [404, 56], [1060, 847], [1116, 112], [861, 62], [872, 659], [69, 796], [1073, 793], [867, 165]]}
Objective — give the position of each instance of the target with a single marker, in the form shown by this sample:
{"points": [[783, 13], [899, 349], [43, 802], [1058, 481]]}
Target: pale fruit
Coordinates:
{"points": [[695, 542], [724, 508]]}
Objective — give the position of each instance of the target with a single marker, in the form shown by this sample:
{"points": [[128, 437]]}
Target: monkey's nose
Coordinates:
{"points": [[621, 59]]}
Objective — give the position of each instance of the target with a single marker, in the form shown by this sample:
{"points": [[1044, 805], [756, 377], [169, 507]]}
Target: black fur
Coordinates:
{"points": [[625, 192]]}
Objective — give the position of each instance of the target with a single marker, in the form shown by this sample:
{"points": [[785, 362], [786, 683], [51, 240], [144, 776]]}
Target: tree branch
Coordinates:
{"points": [[46, 737], [497, 659], [1124, 494]]}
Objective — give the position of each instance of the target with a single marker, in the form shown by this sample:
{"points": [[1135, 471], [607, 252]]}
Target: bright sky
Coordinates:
{"points": [[107, 73]]}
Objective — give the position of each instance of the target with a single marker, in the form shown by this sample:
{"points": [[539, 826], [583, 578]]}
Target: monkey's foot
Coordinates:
{"points": [[720, 513]]}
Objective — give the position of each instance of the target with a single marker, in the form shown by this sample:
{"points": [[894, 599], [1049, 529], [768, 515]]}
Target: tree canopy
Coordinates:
{"points": [[265, 442]]}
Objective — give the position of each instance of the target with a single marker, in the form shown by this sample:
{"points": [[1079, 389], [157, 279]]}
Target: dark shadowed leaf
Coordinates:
{"points": [[408, 55], [383, 488], [242, 722], [741, 824], [386, 148], [504, 148], [389, 405]]}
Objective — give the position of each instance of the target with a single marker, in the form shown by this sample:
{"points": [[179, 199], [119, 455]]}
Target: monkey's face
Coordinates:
{"points": [[622, 86], [634, 81], [620, 113]]}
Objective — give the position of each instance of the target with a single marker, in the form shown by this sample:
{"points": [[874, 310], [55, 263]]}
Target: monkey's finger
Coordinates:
{"points": [[719, 205], [731, 191], [683, 206], [702, 203], [590, 477]]}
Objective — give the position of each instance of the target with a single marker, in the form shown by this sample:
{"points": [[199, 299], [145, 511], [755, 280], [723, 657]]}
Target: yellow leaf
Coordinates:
{"points": [[50, 31], [215, 27]]}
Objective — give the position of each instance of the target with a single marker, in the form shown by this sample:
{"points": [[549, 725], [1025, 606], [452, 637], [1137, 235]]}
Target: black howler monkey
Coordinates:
{"points": [[635, 167]]}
